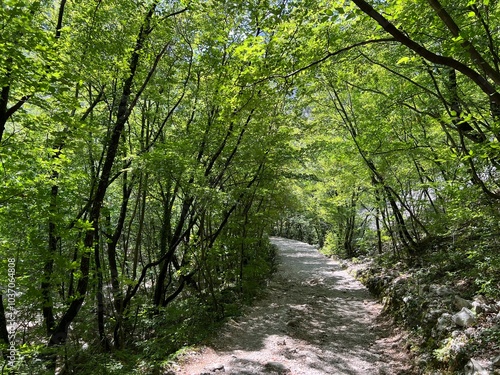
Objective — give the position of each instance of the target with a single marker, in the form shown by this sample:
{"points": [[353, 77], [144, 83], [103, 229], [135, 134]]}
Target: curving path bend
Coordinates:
{"points": [[316, 319]]}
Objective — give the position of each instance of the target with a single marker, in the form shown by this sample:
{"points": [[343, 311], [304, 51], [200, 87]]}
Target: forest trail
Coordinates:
{"points": [[315, 319]]}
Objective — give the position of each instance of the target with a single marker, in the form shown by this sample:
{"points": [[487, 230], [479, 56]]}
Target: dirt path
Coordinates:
{"points": [[315, 320]]}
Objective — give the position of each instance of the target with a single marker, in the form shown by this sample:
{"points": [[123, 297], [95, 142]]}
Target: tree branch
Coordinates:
{"points": [[455, 31], [326, 57], [399, 36]]}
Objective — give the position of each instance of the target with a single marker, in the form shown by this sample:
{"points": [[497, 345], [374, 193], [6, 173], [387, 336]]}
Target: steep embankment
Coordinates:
{"points": [[316, 319]]}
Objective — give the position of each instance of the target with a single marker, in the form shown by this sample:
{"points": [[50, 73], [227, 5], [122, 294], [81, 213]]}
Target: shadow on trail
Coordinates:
{"points": [[315, 315]]}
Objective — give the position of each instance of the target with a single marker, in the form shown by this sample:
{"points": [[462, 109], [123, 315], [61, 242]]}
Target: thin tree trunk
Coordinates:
{"points": [[100, 296], [4, 334], [124, 109]]}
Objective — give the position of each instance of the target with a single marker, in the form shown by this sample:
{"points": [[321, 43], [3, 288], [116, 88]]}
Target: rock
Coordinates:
{"points": [[471, 332], [460, 303], [456, 334], [433, 315], [464, 318], [473, 367], [496, 362], [480, 305], [276, 367], [216, 367], [481, 299], [444, 322], [440, 290], [495, 307]]}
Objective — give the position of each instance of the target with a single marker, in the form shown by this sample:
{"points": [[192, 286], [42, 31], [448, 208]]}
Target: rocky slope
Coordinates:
{"points": [[452, 332]]}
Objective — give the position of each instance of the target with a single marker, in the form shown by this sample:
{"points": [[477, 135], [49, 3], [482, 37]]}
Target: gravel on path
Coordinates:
{"points": [[315, 319]]}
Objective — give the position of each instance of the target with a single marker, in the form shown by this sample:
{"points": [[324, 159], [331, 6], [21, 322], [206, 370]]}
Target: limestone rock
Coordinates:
{"points": [[440, 290], [495, 307], [464, 318], [473, 367], [471, 332], [481, 299], [456, 335], [478, 307], [496, 362], [444, 322], [460, 303], [433, 315]]}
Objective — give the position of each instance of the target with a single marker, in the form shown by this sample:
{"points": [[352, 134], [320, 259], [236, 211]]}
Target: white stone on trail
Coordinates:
{"points": [[315, 319]]}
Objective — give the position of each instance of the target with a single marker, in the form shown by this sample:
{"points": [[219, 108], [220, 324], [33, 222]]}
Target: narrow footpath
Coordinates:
{"points": [[315, 319]]}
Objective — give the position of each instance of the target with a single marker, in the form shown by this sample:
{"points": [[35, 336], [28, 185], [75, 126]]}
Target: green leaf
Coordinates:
{"points": [[403, 60]]}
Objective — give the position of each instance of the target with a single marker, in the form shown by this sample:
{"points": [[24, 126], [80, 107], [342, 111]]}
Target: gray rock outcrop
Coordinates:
{"points": [[464, 318]]}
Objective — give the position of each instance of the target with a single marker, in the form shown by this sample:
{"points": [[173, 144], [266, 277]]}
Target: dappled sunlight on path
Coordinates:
{"points": [[315, 320]]}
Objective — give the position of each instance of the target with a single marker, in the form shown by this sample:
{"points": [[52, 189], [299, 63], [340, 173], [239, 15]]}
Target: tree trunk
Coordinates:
{"points": [[4, 334], [124, 109]]}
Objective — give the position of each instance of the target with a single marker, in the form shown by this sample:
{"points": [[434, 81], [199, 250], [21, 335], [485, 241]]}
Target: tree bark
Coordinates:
{"points": [[4, 334]]}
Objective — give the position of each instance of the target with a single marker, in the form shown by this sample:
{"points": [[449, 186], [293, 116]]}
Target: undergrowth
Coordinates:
{"points": [[159, 336], [417, 291]]}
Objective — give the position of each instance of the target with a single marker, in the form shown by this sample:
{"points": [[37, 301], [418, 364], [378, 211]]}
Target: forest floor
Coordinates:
{"points": [[314, 319]]}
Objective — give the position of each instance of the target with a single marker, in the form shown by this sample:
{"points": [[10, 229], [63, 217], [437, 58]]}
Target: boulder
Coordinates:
{"points": [[481, 299], [480, 305], [495, 307], [479, 308], [433, 315], [460, 303], [472, 332], [496, 362], [473, 367], [440, 290], [464, 318], [444, 322]]}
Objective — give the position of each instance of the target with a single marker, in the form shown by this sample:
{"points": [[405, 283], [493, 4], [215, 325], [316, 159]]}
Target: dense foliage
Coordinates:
{"points": [[148, 148]]}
